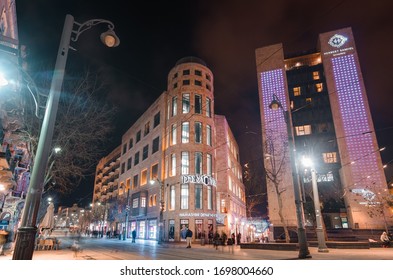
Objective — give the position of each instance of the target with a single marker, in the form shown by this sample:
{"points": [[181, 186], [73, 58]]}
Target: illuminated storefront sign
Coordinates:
{"points": [[337, 40], [199, 179], [197, 215]]}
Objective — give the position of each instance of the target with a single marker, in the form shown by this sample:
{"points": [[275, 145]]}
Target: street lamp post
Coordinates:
{"points": [[24, 245], [162, 206], [301, 232], [317, 206]]}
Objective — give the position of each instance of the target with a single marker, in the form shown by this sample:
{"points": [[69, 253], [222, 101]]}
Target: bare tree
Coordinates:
{"points": [[254, 187], [82, 130], [275, 164]]}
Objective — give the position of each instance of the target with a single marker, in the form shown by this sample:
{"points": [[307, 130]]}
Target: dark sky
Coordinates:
{"points": [[225, 34]]}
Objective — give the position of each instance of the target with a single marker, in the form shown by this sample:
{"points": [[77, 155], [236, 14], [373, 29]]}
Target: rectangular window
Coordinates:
{"points": [[136, 158], [198, 132], [154, 171], [198, 163], [173, 164], [184, 196], [144, 177], [124, 148], [209, 198], [131, 143], [185, 132], [315, 75], [145, 152], [135, 203], [135, 182], [143, 201], [173, 134], [138, 136], [319, 87], [198, 83], [223, 206], [209, 164], [186, 82], [186, 103], [185, 163], [296, 91], [128, 183], [330, 157], [198, 197], [123, 167], [198, 104], [147, 128], [208, 135], [208, 77], [174, 106], [155, 146], [186, 72], [208, 107], [198, 72], [129, 161], [303, 130], [156, 120], [172, 199]]}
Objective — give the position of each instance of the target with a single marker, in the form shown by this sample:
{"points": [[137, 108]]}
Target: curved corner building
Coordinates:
{"points": [[179, 165]]}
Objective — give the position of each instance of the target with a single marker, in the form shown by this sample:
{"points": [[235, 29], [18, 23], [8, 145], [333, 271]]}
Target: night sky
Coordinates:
{"points": [[225, 35]]}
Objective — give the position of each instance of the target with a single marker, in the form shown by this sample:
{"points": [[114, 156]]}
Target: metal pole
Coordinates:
{"points": [[127, 210], [25, 239], [320, 233], [160, 233], [301, 232]]}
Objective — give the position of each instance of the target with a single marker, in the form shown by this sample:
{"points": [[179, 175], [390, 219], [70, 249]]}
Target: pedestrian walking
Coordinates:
{"points": [[133, 235], [188, 238]]}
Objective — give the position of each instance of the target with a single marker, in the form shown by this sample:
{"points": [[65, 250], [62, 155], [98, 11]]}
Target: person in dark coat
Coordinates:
{"points": [[188, 238]]}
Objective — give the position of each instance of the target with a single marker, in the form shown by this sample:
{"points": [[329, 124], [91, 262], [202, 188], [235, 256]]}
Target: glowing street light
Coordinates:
{"points": [[301, 232], [24, 245], [307, 162]]}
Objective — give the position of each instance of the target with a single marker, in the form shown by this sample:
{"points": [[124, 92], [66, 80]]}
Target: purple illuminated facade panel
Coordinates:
{"points": [[355, 123], [272, 83]]}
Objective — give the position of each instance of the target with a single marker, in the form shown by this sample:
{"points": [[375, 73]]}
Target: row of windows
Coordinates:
{"points": [[186, 105], [196, 72], [146, 131], [185, 164], [297, 91], [143, 177], [145, 155], [196, 83], [185, 133], [140, 202]]}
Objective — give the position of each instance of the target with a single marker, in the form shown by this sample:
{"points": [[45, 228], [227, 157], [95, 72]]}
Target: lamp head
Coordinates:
{"points": [[275, 104], [110, 39]]}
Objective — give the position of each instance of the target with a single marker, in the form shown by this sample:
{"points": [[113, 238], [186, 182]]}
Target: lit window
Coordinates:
{"points": [[308, 99], [223, 206], [174, 106], [319, 87], [315, 75], [186, 103], [184, 196], [209, 164], [135, 203], [143, 201], [303, 130], [330, 157], [296, 91], [173, 135], [185, 132], [154, 171], [144, 177], [185, 163], [172, 198], [208, 108], [147, 128], [208, 135]]}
